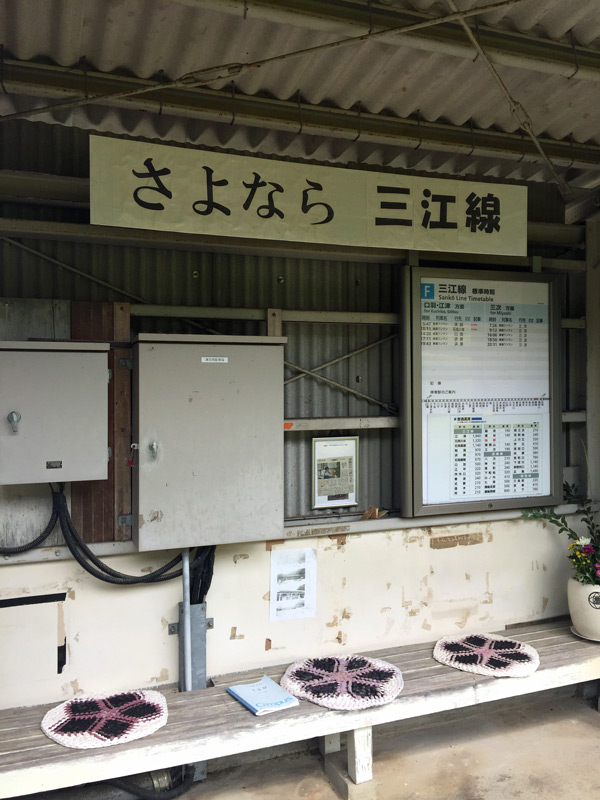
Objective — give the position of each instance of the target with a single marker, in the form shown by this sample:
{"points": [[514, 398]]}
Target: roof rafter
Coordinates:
{"points": [[48, 81], [506, 47]]}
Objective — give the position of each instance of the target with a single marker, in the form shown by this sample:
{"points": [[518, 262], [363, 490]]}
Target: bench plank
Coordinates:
{"points": [[209, 723]]}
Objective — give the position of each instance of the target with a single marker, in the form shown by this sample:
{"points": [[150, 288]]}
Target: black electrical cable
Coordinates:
{"points": [[202, 575], [81, 552], [12, 551], [201, 568], [151, 794], [98, 569]]}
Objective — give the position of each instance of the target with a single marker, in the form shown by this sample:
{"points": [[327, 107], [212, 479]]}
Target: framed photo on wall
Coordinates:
{"points": [[335, 472]]}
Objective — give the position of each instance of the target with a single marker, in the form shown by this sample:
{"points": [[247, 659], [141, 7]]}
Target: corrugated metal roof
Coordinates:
{"points": [[392, 75]]}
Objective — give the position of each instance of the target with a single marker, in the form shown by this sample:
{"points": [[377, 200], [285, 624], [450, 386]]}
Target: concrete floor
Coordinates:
{"points": [[537, 747], [541, 746]]}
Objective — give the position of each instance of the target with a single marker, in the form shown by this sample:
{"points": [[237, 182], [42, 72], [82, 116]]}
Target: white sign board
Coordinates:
{"points": [[485, 389], [160, 187]]}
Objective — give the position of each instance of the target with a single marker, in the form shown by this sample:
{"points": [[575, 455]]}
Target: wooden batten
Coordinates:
{"points": [[97, 505]]}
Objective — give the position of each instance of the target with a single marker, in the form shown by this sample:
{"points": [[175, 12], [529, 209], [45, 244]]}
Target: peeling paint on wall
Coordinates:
{"points": [[271, 544], [346, 614], [239, 556], [488, 594], [162, 677], [339, 539], [456, 540], [71, 688], [460, 623], [235, 635]]}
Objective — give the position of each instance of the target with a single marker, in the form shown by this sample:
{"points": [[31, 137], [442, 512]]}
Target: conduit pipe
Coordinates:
{"points": [[186, 618]]}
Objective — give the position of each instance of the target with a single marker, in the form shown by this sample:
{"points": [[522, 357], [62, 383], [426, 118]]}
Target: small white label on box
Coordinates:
{"points": [[215, 359]]}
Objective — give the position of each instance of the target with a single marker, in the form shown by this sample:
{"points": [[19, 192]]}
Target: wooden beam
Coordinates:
{"points": [[96, 505]]}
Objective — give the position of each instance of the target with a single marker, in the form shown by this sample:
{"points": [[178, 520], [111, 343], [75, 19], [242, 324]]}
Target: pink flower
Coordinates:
{"points": [[597, 570], [587, 549]]}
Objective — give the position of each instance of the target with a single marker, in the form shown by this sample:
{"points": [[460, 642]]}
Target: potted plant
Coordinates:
{"points": [[583, 591]]}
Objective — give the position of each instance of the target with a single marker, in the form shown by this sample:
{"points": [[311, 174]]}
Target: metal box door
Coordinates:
{"points": [[209, 424], [60, 398]]}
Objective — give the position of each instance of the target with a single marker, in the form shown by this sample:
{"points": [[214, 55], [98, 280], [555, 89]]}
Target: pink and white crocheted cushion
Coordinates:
{"points": [[99, 721], [343, 682], [487, 654]]}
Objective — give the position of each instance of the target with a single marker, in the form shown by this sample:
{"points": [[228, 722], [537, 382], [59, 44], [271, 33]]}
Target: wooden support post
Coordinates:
{"points": [[360, 754], [96, 505], [274, 322]]}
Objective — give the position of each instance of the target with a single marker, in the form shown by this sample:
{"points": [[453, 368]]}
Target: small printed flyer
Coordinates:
{"points": [[293, 584], [335, 472]]}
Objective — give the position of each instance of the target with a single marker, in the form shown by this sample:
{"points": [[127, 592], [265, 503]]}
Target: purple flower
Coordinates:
{"points": [[587, 549]]}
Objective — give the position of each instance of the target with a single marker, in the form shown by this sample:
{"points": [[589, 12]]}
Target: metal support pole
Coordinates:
{"points": [[593, 355], [187, 623]]}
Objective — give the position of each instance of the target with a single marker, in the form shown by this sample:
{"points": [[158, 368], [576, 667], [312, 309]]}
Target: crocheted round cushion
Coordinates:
{"points": [[100, 721], [343, 682], [487, 654]]}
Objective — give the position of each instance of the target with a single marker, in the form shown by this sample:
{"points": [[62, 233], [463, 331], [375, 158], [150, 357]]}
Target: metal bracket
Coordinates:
{"points": [[125, 519], [125, 363], [174, 626]]}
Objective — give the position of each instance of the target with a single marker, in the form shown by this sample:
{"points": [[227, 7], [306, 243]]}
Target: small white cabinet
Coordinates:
{"points": [[208, 425], [53, 412]]}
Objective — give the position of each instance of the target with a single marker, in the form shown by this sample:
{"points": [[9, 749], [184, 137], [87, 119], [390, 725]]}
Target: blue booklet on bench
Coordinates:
{"points": [[263, 696]]}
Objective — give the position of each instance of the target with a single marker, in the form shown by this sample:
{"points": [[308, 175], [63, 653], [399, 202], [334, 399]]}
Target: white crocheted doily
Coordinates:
{"points": [[103, 720], [343, 682], [487, 654]]}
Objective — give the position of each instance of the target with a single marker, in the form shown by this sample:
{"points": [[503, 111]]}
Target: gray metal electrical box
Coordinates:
{"points": [[53, 412], [208, 433]]}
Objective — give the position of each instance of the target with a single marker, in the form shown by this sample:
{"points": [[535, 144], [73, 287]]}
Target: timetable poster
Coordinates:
{"points": [[485, 402]]}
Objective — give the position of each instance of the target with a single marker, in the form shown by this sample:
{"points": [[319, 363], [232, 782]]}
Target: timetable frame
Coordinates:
{"points": [[489, 443]]}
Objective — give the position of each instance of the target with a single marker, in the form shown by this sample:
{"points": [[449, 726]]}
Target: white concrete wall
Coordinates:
{"points": [[374, 590]]}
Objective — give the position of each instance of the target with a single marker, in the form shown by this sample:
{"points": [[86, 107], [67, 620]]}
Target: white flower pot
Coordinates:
{"points": [[584, 608]]}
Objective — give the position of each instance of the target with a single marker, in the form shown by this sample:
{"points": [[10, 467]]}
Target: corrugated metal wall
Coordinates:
{"points": [[208, 279]]}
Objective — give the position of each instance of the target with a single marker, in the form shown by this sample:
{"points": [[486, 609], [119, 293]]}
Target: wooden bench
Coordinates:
{"points": [[209, 724]]}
